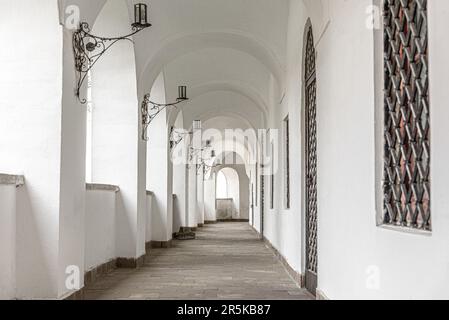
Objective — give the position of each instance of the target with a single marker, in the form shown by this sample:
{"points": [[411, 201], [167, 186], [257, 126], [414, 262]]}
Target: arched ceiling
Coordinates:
{"points": [[191, 43], [231, 54], [256, 27], [217, 103], [221, 123], [220, 68]]}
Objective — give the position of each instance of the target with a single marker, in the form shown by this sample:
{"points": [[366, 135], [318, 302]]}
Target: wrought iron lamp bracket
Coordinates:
{"points": [[197, 153], [203, 162], [88, 49], [150, 111], [176, 137], [208, 168]]}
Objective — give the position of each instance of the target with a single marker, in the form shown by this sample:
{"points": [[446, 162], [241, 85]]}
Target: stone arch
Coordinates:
{"points": [[244, 183]]}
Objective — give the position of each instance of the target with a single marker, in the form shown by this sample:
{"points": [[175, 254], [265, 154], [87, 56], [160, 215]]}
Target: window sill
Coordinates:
{"points": [[405, 230], [7, 179], [102, 187]]}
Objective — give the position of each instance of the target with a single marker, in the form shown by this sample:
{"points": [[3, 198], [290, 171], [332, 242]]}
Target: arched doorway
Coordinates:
{"points": [[228, 194], [311, 212]]}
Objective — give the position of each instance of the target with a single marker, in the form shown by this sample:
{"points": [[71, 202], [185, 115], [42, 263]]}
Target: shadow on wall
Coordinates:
{"points": [[30, 244]]}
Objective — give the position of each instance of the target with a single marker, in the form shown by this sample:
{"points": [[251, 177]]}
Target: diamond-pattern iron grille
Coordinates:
{"points": [[311, 157], [407, 115]]}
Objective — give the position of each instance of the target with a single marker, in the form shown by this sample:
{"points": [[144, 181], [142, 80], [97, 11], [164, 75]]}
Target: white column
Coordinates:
{"points": [[117, 151], [210, 198], [72, 178], [159, 171], [200, 196], [40, 135], [192, 218], [180, 185]]}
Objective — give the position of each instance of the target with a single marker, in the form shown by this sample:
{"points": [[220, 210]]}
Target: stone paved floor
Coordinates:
{"points": [[226, 262]]}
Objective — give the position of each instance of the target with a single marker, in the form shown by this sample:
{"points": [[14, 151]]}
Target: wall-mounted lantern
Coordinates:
{"points": [[150, 110], [89, 48]]}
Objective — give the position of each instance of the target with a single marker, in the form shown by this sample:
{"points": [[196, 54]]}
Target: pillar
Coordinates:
{"points": [[117, 151], [210, 198], [200, 196]]}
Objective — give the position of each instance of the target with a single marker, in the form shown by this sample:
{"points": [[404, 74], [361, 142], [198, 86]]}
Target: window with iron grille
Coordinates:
{"points": [[257, 184], [406, 181], [272, 177], [287, 162]]}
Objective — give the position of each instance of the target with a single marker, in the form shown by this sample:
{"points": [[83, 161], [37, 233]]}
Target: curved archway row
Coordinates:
{"points": [[232, 87], [180, 45]]}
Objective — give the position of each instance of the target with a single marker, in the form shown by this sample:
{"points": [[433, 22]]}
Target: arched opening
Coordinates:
{"points": [[178, 161], [228, 194]]}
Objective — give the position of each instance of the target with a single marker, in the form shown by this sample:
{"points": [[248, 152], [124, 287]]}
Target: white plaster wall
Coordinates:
{"points": [[158, 175], [73, 175], [244, 195], [116, 129], [149, 218], [284, 227], [210, 213], [192, 197], [179, 189], [408, 266], [7, 241], [30, 111], [258, 203], [100, 227], [200, 195], [180, 205]]}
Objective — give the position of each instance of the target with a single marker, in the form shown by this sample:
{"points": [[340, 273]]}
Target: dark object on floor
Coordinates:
{"points": [[185, 234]]}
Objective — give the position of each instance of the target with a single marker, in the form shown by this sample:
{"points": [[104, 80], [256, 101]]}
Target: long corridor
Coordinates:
{"points": [[227, 261]]}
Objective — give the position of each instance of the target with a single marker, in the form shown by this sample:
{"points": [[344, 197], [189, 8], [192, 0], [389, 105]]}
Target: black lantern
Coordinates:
{"points": [[197, 125], [141, 16], [150, 109], [182, 93], [89, 48]]}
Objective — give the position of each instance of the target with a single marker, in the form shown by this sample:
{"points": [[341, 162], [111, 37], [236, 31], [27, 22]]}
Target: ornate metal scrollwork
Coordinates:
{"points": [[177, 136], [88, 49], [150, 110]]}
